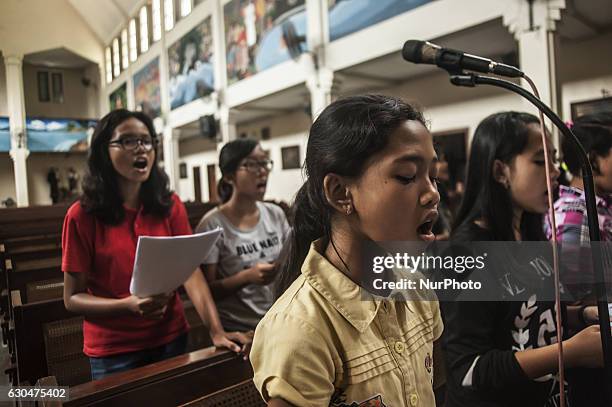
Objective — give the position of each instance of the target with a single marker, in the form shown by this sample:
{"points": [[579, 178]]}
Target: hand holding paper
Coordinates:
{"points": [[164, 263]]}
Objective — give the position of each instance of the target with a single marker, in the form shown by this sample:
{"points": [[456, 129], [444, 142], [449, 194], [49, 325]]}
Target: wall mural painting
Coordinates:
{"points": [[59, 135], [5, 134], [256, 34], [349, 16], [118, 99], [190, 65], [147, 94]]}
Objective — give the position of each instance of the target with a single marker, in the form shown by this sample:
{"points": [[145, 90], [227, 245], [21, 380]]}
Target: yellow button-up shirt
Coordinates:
{"points": [[327, 342]]}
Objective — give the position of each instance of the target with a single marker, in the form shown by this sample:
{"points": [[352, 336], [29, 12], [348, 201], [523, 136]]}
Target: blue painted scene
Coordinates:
{"points": [[257, 33], [5, 135], [349, 16], [58, 135], [190, 63]]}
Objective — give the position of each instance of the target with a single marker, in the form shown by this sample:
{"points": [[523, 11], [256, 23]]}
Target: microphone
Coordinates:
{"points": [[423, 52]]}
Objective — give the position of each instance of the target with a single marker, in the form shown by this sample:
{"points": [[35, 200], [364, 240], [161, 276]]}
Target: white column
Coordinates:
{"points": [[319, 78], [103, 92], [171, 157], [219, 63], [320, 84], [227, 124], [536, 42], [16, 109]]}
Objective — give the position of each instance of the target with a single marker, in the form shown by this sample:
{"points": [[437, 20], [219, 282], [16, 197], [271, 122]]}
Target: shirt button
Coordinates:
{"points": [[399, 347], [414, 399]]}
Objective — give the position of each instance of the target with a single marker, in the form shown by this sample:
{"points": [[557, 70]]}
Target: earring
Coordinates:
{"points": [[348, 209]]}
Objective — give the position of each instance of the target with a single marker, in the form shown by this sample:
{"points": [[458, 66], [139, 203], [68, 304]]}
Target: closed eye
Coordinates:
{"points": [[405, 180]]}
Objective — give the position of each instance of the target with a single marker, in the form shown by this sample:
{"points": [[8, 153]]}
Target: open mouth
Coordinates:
{"points": [[262, 185], [425, 229], [140, 163]]}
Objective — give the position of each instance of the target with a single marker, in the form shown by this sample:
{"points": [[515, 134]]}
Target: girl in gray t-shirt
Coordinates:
{"points": [[240, 268]]}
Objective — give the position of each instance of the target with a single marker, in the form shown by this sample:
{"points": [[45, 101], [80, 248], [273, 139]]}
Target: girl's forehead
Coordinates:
{"points": [[410, 137], [131, 125], [534, 142]]}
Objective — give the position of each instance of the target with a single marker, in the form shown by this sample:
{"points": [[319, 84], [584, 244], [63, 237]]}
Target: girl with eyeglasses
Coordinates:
{"points": [[126, 195], [241, 268]]}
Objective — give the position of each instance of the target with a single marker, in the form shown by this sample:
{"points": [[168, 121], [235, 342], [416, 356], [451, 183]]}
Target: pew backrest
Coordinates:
{"points": [[170, 382]]}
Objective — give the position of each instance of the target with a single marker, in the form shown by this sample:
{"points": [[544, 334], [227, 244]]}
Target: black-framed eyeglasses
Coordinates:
{"points": [[132, 143], [255, 166]]}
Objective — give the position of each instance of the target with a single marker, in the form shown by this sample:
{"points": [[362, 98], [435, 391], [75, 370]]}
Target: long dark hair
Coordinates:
{"points": [[101, 196], [230, 157], [342, 138], [594, 131], [501, 136]]}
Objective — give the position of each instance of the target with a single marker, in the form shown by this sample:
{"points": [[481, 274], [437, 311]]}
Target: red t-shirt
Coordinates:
{"points": [[106, 253]]}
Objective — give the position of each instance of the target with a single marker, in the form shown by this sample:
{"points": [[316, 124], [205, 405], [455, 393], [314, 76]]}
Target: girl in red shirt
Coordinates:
{"points": [[126, 195]]}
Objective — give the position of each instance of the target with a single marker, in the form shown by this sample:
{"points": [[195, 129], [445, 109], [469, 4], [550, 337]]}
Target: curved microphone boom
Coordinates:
{"points": [[454, 61]]}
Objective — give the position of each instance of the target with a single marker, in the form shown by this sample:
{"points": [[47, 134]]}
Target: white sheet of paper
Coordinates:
{"points": [[164, 263]]}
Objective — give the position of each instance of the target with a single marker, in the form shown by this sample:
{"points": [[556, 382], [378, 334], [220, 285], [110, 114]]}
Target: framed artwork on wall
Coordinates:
{"points": [[290, 157], [600, 105], [183, 170]]}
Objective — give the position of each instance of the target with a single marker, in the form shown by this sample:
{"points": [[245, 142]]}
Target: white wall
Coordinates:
{"points": [[38, 167], [196, 152], [79, 102], [585, 68], [7, 177], [3, 102], [448, 107], [583, 90], [34, 25]]}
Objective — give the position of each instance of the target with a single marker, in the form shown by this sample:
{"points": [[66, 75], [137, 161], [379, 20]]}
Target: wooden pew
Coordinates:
{"points": [[30, 250], [183, 379], [195, 211], [23, 275], [238, 395], [31, 221], [48, 340], [28, 331]]}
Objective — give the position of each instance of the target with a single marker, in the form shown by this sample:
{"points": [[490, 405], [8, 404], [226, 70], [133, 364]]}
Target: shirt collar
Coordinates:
{"points": [[358, 306], [604, 200]]}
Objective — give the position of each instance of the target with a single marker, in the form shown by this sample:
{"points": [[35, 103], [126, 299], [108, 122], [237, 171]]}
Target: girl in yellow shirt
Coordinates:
{"points": [[371, 170]]}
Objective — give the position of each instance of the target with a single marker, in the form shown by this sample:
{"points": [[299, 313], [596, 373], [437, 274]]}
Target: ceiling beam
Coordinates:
{"points": [[265, 109], [595, 28], [368, 78]]}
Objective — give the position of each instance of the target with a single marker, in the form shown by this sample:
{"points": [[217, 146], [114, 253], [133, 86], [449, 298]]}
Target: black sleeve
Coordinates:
{"points": [[474, 364]]}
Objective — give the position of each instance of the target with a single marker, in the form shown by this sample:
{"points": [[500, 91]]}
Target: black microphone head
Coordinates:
{"points": [[413, 51]]}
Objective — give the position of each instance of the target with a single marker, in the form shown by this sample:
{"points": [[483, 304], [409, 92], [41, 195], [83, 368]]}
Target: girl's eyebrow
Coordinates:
{"points": [[413, 158], [140, 135], [541, 152]]}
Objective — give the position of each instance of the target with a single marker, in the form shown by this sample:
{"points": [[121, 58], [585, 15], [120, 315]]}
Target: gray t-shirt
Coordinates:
{"points": [[237, 250]]}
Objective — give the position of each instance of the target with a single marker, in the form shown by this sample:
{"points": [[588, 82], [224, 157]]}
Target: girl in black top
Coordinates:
{"points": [[505, 353]]}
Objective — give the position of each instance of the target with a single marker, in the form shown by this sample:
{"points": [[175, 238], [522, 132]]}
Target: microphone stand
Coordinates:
{"points": [[471, 80]]}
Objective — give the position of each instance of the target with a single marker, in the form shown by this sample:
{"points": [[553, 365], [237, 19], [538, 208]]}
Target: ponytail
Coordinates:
{"points": [[309, 225], [224, 190]]}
